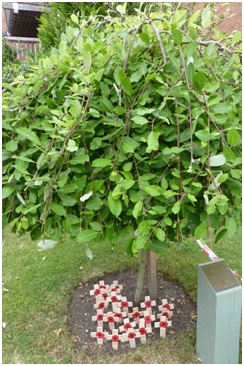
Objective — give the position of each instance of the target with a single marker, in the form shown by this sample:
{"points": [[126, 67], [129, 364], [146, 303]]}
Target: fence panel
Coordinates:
{"points": [[23, 46]]}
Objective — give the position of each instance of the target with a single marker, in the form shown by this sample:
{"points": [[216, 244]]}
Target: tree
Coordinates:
{"points": [[130, 128]]}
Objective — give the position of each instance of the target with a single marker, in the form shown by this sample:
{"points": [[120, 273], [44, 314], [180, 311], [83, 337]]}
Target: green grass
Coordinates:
{"points": [[37, 287]]}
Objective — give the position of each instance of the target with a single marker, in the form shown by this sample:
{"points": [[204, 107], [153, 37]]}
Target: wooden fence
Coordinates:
{"points": [[23, 46]]}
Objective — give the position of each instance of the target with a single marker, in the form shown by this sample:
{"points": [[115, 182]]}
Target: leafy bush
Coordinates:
{"points": [[55, 18], [8, 53], [131, 126]]}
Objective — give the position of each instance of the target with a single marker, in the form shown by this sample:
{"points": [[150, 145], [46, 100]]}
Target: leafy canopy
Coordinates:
{"points": [[131, 126]]}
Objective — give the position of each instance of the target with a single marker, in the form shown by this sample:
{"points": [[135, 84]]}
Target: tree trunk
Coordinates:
{"points": [[147, 261], [152, 274], [141, 277]]}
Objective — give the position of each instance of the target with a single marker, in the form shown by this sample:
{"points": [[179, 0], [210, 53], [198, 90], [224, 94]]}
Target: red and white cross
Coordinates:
{"points": [[163, 324], [100, 335], [148, 304]]}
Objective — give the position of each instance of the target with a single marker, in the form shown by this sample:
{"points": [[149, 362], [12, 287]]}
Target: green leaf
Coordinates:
{"points": [[191, 198], [121, 8], [67, 199], [194, 17], [86, 235], [107, 104], [193, 32], [237, 36], [199, 80], [20, 198], [94, 204], [79, 159], [119, 110], [58, 209], [222, 108], [127, 167], [176, 36], [206, 17], [145, 37], [75, 110], [140, 120], [74, 18], [152, 140], [42, 110], [222, 178], [158, 246], [129, 145], [87, 60], [126, 86], [115, 206], [233, 137], [140, 242], [29, 135], [229, 154], [11, 146], [203, 135], [172, 150], [220, 235], [201, 231], [137, 209], [69, 188], [95, 225], [126, 183], [99, 74], [160, 234], [101, 163], [231, 226], [153, 190], [190, 70], [7, 191], [176, 207], [211, 87]]}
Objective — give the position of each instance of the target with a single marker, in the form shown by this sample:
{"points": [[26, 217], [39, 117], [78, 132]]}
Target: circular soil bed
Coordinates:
{"points": [[81, 310]]}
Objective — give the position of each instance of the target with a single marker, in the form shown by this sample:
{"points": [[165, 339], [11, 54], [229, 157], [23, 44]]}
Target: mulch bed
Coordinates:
{"points": [[81, 311]]}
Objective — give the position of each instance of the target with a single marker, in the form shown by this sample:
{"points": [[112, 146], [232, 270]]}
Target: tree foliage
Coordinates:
{"points": [[131, 126]]}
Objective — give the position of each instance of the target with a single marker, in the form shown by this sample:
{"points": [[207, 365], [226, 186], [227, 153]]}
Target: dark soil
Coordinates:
{"points": [[81, 310]]}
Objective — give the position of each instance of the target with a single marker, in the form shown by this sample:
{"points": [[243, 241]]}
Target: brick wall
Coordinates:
{"points": [[4, 26], [231, 24]]}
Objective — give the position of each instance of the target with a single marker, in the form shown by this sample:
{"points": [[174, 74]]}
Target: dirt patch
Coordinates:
{"points": [[81, 310]]}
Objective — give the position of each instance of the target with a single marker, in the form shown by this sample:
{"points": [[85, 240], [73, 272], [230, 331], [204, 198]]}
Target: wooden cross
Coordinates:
{"points": [[100, 303], [109, 317], [99, 288], [165, 308], [114, 298], [115, 337], [119, 315], [166, 305], [131, 337], [142, 331], [136, 314], [99, 334], [116, 287], [99, 318], [124, 304], [103, 286], [148, 319], [148, 303], [163, 324], [127, 325], [96, 291]]}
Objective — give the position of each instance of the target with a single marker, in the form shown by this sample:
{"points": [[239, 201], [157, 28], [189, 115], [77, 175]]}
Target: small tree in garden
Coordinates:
{"points": [[130, 128]]}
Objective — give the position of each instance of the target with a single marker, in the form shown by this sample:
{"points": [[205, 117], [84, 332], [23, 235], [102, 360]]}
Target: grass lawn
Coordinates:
{"points": [[36, 292]]}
